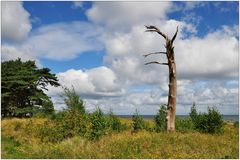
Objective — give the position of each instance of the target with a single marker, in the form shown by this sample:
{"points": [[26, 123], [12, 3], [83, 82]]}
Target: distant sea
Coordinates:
{"points": [[225, 117]]}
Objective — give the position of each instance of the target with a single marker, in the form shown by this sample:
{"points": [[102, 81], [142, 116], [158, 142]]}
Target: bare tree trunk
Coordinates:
{"points": [[172, 94]]}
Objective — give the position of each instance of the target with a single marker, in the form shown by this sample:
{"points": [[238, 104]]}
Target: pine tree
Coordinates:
{"points": [[22, 85]]}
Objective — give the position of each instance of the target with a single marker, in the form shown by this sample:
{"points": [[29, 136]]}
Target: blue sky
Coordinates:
{"points": [[97, 47]]}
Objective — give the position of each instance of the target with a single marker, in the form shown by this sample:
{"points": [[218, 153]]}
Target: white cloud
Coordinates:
{"points": [[122, 15], [63, 41], [59, 41], [15, 21], [95, 83], [9, 52], [213, 56]]}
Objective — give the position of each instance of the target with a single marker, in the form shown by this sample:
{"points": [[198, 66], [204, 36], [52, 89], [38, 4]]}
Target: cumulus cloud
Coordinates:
{"points": [[9, 52], [211, 93], [125, 53], [121, 15], [63, 41], [95, 83], [213, 56], [15, 22], [59, 41]]}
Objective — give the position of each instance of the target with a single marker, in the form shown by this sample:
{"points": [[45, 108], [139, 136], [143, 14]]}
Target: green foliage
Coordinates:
{"points": [[114, 123], [211, 122], [47, 107], [138, 122], [58, 115], [184, 125], [160, 119], [194, 115], [98, 125], [73, 100], [63, 125], [22, 85]]}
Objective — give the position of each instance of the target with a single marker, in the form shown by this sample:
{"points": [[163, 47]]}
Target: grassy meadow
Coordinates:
{"points": [[19, 140]]}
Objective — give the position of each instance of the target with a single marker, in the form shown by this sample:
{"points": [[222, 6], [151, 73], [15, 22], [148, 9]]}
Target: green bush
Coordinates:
{"points": [[194, 115], [58, 115], [113, 123], [160, 119], [138, 122], [73, 100], [73, 123], [211, 122], [97, 125], [70, 122], [184, 124]]}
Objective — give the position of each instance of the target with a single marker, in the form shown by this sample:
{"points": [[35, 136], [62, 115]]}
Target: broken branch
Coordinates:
{"points": [[175, 35], [155, 29], [145, 55], [155, 62]]}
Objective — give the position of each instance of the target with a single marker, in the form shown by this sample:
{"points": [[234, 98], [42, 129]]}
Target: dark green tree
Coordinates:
{"points": [[22, 85]]}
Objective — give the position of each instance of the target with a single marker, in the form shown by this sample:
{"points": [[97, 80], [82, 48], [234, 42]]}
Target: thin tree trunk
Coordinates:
{"points": [[172, 94]]}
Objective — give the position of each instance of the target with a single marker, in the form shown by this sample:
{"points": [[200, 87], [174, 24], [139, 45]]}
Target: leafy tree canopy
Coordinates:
{"points": [[22, 87]]}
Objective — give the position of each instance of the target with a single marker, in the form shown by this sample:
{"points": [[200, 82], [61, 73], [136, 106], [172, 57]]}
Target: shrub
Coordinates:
{"points": [[73, 100], [194, 115], [58, 115], [138, 122], [63, 125], [114, 123], [160, 119], [211, 122], [97, 125], [184, 124], [73, 123]]}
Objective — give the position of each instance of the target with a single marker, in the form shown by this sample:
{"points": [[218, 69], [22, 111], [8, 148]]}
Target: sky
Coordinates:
{"points": [[98, 47]]}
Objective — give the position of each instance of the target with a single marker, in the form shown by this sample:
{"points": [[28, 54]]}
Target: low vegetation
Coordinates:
{"points": [[75, 133], [21, 139]]}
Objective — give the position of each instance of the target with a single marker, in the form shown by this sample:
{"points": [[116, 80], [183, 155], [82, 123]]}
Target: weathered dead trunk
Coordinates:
{"points": [[172, 94]]}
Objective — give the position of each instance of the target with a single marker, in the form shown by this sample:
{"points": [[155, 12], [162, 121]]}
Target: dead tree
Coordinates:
{"points": [[172, 94]]}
